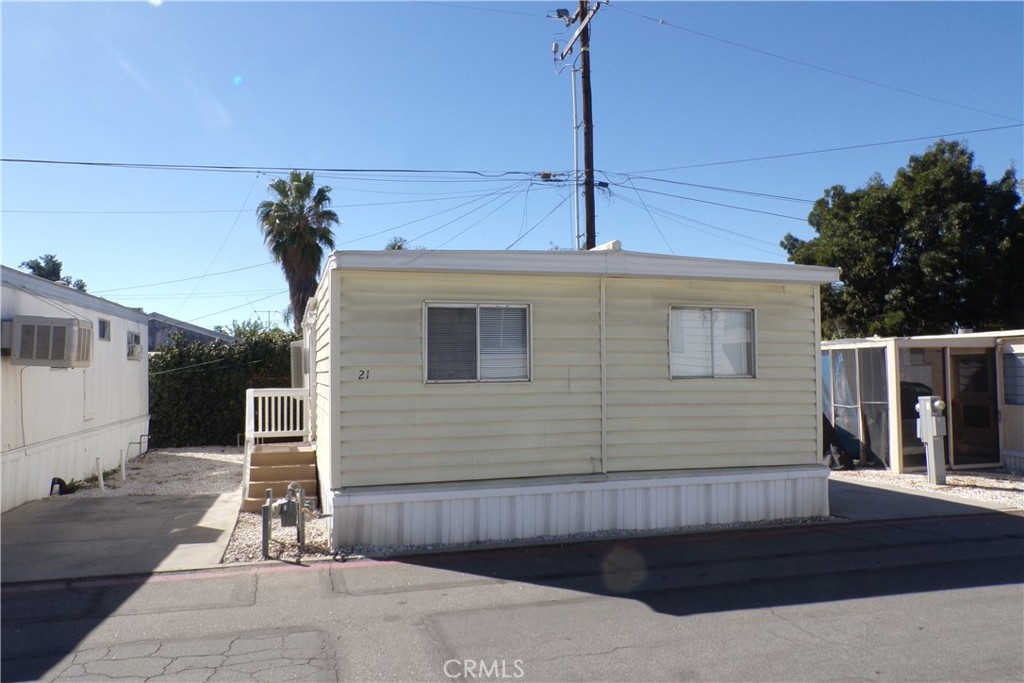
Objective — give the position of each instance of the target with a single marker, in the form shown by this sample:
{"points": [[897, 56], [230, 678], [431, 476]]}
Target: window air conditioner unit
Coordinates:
{"points": [[51, 342]]}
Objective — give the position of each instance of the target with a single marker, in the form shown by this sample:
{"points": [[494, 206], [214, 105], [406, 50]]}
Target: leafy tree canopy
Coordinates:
{"points": [[248, 329], [938, 250], [48, 266]]}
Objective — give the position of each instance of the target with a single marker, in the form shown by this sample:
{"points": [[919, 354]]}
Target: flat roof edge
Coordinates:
{"points": [[581, 263], [48, 290]]}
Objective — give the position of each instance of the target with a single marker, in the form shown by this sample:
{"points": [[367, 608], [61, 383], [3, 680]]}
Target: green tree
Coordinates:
{"points": [[49, 267], [296, 228], [197, 390], [242, 330], [938, 250]]}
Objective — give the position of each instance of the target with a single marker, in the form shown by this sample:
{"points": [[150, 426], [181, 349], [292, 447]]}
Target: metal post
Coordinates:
{"points": [[300, 531], [267, 512], [99, 474]]}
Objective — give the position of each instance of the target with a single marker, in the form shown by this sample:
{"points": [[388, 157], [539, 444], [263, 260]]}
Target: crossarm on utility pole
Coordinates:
{"points": [[579, 31]]}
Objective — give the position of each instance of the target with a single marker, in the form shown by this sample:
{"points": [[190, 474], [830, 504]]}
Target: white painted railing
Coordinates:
{"points": [[276, 413]]}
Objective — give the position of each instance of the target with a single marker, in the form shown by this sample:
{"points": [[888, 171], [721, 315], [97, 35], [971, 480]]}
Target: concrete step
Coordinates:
{"points": [[282, 472], [257, 489], [256, 504], [282, 454]]}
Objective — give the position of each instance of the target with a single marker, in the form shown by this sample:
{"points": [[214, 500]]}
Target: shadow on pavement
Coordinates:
{"points": [[936, 545]]}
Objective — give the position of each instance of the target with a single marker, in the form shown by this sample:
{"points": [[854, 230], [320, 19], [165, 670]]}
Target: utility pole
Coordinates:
{"points": [[588, 127], [584, 14]]}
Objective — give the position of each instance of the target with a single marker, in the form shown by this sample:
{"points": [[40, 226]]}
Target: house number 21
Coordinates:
{"points": [[363, 374]]}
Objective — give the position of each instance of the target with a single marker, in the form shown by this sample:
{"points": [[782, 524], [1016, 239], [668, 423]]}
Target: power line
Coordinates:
{"points": [[693, 223], [259, 169], [707, 201], [830, 149], [459, 218], [535, 225], [809, 65], [223, 243], [433, 215], [184, 279], [449, 5], [482, 218], [749, 193], [248, 303], [651, 216]]}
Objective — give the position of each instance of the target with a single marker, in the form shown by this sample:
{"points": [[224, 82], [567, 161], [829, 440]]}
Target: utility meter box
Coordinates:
{"points": [[288, 509], [931, 428]]}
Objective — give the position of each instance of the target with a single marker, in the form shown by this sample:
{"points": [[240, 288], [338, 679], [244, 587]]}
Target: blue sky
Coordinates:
{"points": [[685, 95]]}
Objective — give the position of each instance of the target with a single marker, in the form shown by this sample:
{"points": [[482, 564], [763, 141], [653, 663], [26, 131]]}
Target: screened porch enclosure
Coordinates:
{"points": [[855, 401], [870, 389]]}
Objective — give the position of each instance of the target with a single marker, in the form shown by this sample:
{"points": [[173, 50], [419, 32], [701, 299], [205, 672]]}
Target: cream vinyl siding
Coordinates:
{"points": [[323, 389], [658, 423], [392, 427], [395, 428]]}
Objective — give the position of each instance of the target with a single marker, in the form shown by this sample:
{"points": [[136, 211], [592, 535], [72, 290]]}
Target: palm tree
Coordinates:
{"points": [[296, 228]]}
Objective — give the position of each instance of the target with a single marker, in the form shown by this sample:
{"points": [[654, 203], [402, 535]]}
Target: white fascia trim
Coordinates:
{"points": [[583, 263], [972, 340]]}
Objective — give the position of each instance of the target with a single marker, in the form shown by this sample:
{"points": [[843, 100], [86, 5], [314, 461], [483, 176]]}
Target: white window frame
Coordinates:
{"points": [[101, 333], [427, 305], [1013, 361], [134, 340], [712, 310]]}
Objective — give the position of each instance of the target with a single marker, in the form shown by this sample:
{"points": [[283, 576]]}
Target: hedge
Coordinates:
{"points": [[197, 391]]}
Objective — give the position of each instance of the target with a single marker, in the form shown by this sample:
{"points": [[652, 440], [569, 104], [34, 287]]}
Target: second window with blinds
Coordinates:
{"points": [[711, 342], [477, 343]]}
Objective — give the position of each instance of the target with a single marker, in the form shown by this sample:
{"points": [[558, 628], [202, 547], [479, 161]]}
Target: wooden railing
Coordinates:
{"points": [[272, 413]]}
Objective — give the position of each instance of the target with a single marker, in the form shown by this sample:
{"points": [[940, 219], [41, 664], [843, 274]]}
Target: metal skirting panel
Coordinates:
{"points": [[499, 512], [26, 472], [1014, 461]]}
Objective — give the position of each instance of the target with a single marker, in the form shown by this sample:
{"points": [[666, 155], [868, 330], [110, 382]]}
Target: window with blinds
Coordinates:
{"points": [[475, 343], [711, 342]]}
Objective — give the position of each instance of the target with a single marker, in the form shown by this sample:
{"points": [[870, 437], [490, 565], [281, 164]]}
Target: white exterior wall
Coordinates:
{"points": [[56, 422]]}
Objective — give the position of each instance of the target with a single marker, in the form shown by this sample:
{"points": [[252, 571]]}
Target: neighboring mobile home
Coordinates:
{"points": [[75, 384], [469, 396], [162, 328], [871, 388]]}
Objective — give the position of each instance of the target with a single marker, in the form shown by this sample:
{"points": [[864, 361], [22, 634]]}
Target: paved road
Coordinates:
{"points": [[930, 598]]}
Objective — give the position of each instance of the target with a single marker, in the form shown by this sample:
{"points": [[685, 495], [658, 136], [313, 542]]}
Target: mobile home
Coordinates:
{"points": [[75, 384], [482, 396]]}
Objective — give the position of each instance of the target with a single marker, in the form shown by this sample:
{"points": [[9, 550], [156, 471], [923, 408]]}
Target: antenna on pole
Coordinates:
{"points": [[583, 15]]}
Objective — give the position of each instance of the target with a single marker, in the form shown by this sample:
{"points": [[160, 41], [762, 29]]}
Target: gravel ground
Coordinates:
{"points": [[185, 471], [988, 486], [175, 472]]}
